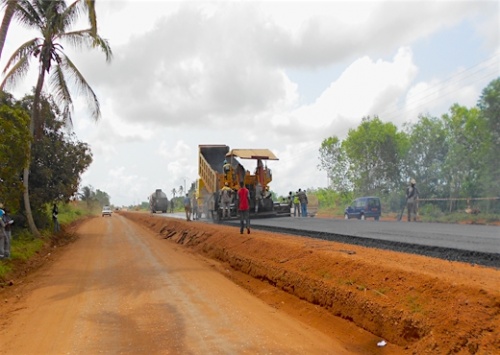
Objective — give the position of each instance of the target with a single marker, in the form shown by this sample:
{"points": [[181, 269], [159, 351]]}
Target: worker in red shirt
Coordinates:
{"points": [[244, 207]]}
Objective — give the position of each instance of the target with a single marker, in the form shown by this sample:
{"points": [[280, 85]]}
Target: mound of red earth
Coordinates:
{"points": [[422, 305]]}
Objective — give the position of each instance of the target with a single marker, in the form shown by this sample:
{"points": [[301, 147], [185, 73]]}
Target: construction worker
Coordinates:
{"points": [[296, 205], [258, 196], [227, 169], [225, 199], [244, 207], [303, 202], [194, 204], [412, 200], [187, 207]]}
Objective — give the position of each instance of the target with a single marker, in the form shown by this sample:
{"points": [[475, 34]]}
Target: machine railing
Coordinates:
{"points": [[207, 175]]}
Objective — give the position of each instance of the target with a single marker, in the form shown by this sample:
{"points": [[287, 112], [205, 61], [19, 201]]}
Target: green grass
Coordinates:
{"points": [[325, 274], [348, 282], [4, 270], [427, 215], [362, 287], [24, 245], [414, 304], [71, 212], [382, 291]]}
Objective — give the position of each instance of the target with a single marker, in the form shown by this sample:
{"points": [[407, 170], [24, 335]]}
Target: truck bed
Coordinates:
{"points": [[215, 155]]}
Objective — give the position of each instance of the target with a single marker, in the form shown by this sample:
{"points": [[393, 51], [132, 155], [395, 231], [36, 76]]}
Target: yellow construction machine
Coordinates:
{"points": [[218, 166]]}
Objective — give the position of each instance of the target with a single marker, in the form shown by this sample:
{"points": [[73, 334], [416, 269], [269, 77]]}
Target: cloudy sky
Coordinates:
{"points": [[279, 75]]}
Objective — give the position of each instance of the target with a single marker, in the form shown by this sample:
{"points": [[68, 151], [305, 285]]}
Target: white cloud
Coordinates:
{"points": [[188, 73]]}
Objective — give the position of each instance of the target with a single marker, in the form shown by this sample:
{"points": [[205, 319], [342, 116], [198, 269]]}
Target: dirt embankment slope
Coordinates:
{"points": [[423, 305]]}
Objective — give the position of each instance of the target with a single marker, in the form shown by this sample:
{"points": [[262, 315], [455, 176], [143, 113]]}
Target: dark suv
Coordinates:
{"points": [[364, 207]]}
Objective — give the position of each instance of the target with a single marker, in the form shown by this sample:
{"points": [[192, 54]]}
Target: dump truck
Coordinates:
{"points": [[158, 201], [219, 165]]}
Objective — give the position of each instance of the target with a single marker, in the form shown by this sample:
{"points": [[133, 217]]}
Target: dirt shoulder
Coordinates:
{"points": [[422, 305], [120, 288]]}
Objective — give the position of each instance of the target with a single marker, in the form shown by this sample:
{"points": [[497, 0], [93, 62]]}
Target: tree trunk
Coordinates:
{"points": [[34, 122], [26, 193], [27, 206]]}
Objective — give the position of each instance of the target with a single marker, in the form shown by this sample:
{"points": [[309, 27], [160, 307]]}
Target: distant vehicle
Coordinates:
{"points": [[158, 201], [364, 207], [106, 211]]}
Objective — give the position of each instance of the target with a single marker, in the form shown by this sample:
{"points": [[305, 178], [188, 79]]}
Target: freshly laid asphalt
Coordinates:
{"points": [[476, 244], [477, 238]]}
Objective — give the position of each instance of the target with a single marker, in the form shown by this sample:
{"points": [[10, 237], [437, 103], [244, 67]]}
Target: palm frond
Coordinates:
{"points": [[83, 87], [78, 39], [92, 16], [103, 44], [81, 38], [17, 72], [72, 13], [27, 49], [61, 93], [75, 9], [18, 64], [27, 15]]}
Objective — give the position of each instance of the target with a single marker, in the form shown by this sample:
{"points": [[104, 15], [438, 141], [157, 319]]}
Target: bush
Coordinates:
{"points": [[431, 211]]}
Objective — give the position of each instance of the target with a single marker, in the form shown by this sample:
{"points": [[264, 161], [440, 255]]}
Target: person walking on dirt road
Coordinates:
{"points": [[412, 195], [187, 207], [244, 207]]}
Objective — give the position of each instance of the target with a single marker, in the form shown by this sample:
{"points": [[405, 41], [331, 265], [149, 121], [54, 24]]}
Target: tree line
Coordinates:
{"points": [[56, 161], [451, 156], [41, 116]]}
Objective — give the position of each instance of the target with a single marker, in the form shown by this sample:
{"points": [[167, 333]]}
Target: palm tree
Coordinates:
{"points": [[181, 190], [53, 19], [174, 191], [11, 7], [87, 195]]}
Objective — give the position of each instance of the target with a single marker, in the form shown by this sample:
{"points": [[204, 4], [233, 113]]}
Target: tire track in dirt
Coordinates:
{"points": [[409, 300]]}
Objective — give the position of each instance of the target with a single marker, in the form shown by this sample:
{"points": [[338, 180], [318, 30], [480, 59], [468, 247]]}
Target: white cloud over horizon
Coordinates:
{"points": [[188, 73]]}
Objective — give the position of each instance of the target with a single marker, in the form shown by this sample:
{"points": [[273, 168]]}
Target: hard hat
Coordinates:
{"points": [[1, 212], [413, 182]]}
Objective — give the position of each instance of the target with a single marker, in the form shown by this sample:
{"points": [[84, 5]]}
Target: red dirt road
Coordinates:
{"points": [[120, 288]]}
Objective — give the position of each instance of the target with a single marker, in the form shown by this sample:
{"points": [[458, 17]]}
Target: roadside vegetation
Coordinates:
{"points": [[25, 246], [41, 161], [453, 157], [332, 205]]}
